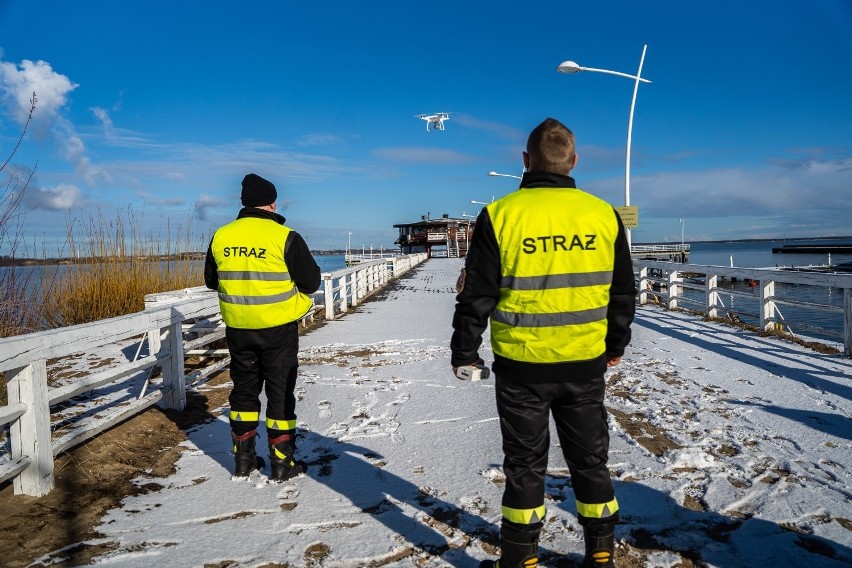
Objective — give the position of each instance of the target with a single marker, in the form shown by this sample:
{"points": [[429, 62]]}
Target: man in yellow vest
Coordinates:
{"points": [[550, 266], [264, 273]]}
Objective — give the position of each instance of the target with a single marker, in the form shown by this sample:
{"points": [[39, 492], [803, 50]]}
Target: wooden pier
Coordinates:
{"points": [[674, 253], [405, 460]]}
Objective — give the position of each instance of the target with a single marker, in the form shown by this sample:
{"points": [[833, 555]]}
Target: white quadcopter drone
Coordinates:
{"points": [[434, 121]]}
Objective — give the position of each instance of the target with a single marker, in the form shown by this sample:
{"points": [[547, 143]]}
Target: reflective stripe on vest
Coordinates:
{"points": [[255, 288], [557, 252]]}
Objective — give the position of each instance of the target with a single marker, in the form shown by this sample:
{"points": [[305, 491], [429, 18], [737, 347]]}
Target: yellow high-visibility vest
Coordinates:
{"points": [[557, 254], [255, 288]]}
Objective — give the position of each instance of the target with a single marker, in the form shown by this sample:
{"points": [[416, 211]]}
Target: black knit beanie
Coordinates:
{"points": [[257, 191]]}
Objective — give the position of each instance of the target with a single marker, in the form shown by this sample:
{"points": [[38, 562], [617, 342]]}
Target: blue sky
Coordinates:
{"points": [[160, 108]]}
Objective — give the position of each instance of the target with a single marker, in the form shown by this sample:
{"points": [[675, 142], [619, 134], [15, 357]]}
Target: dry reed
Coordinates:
{"points": [[113, 266]]}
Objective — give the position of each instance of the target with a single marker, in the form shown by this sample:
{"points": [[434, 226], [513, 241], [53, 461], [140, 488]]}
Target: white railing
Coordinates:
{"points": [[176, 324], [347, 287], [669, 283], [639, 249], [24, 359], [674, 253], [354, 258]]}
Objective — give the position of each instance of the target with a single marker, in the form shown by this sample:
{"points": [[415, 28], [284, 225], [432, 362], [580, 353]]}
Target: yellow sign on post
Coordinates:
{"points": [[629, 215]]}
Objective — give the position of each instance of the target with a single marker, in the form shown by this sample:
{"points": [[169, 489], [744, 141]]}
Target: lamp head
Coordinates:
{"points": [[568, 67]]}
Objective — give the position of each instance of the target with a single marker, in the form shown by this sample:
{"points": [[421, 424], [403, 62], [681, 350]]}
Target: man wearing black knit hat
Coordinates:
{"points": [[264, 273]]}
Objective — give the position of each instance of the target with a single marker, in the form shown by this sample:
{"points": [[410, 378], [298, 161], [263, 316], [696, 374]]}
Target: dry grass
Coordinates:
{"points": [[113, 267], [17, 314]]}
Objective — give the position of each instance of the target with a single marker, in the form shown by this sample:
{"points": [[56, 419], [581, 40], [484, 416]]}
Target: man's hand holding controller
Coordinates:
{"points": [[475, 372]]}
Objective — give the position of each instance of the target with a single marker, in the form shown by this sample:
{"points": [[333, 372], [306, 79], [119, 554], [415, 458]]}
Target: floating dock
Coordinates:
{"points": [[814, 249]]}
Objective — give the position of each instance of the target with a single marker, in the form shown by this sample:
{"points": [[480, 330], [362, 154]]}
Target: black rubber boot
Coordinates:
{"points": [[600, 546], [519, 547], [245, 457], [282, 463]]}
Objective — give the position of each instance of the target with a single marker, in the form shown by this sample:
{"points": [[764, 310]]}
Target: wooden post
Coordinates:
{"points": [[328, 291], [344, 303], [713, 300], [847, 322], [154, 338], [355, 280], [674, 288], [767, 305], [643, 286], [174, 385], [29, 435], [155, 341]]}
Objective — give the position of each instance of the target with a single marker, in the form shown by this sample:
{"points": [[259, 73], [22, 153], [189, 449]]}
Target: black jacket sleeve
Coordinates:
{"points": [[303, 268], [479, 295], [211, 275], [622, 297]]}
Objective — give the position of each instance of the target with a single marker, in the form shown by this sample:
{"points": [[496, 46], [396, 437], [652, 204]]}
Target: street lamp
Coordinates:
{"points": [[349, 244], [681, 234], [570, 67], [504, 175]]}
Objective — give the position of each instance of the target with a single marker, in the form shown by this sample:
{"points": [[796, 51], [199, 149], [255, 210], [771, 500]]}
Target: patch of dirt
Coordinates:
{"points": [[93, 478], [646, 434]]}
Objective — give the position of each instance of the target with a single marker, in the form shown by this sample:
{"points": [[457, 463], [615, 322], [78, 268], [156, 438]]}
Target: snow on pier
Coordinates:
{"points": [[727, 449]]}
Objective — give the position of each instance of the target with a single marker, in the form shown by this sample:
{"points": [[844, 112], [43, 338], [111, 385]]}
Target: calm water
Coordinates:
{"points": [[758, 254], [34, 276], [330, 262]]}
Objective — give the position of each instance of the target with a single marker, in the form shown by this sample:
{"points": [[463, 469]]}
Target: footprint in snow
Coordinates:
{"points": [[324, 409]]}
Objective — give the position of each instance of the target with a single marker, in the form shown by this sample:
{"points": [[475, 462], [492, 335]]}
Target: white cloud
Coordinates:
{"points": [[102, 115], [60, 198], [422, 155], [501, 130], [809, 196], [320, 139], [157, 201], [205, 203], [74, 151], [778, 188], [19, 83]]}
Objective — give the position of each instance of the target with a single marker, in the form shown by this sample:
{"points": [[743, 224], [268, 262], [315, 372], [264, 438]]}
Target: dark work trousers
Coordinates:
{"points": [[580, 418], [263, 359]]}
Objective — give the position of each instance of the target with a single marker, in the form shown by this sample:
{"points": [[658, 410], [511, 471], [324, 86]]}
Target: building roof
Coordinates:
{"points": [[446, 220]]}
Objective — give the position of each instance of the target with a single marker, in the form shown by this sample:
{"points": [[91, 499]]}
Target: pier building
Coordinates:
{"points": [[446, 237]]}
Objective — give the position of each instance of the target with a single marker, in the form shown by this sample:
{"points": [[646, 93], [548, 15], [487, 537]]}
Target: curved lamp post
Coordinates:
{"points": [[569, 67]]}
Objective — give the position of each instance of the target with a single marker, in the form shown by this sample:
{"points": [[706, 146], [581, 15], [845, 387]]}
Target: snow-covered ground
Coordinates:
{"points": [[727, 448]]}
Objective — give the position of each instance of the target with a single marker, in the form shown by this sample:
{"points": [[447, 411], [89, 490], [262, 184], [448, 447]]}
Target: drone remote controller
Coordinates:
{"points": [[473, 372]]}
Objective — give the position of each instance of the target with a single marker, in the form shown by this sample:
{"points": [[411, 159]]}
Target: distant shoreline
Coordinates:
{"points": [[848, 239]]}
